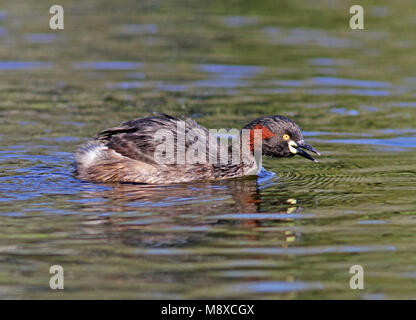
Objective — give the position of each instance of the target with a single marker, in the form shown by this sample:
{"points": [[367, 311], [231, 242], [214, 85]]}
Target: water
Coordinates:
{"points": [[291, 235]]}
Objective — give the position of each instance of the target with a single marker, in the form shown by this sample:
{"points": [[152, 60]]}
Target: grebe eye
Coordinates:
{"points": [[286, 137]]}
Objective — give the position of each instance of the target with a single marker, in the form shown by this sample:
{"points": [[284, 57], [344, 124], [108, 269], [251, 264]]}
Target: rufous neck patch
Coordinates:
{"points": [[265, 134]]}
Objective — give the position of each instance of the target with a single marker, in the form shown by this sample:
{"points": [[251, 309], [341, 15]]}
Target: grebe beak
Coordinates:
{"points": [[296, 148], [306, 146]]}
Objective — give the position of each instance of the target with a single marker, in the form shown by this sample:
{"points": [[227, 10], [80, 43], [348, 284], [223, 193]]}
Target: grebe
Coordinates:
{"points": [[127, 153]]}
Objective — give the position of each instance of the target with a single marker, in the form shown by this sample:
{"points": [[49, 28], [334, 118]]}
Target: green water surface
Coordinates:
{"points": [[291, 236]]}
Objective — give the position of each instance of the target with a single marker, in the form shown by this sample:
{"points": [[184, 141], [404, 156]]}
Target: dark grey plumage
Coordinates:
{"points": [[127, 153]]}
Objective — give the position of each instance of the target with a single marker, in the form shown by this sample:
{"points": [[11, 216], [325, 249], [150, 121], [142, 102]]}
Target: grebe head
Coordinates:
{"points": [[281, 137]]}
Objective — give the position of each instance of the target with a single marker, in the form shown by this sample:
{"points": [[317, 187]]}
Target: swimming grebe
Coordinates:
{"points": [[127, 153]]}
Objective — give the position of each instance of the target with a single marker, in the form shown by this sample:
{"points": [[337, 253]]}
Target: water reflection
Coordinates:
{"points": [[24, 65], [133, 29], [177, 198], [240, 21], [396, 142], [108, 65], [182, 214], [222, 71], [40, 37], [298, 36]]}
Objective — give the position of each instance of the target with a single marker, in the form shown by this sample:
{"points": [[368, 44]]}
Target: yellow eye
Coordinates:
{"points": [[286, 137]]}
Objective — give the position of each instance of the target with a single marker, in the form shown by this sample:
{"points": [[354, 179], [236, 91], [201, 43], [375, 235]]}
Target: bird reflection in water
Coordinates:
{"points": [[184, 214]]}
